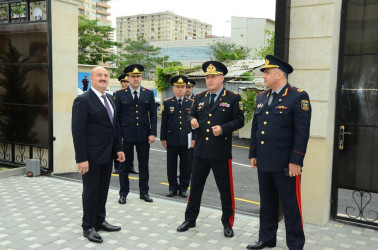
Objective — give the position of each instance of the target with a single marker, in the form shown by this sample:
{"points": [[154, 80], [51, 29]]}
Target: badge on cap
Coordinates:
{"points": [[305, 105]]}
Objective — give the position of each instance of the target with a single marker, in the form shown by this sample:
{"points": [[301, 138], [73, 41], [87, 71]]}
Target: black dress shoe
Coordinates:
{"points": [[105, 226], [116, 171], [261, 245], [92, 235], [228, 232], [171, 193], [133, 171], [122, 200], [146, 198], [183, 195], [186, 225]]}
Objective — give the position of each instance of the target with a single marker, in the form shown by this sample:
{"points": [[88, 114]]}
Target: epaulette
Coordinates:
{"points": [[146, 88], [232, 92], [263, 92], [296, 89], [201, 92], [168, 98], [120, 90]]}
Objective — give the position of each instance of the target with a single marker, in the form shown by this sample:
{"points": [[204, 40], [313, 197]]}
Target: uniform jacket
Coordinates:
{"points": [[281, 130], [137, 121], [227, 113], [174, 125], [95, 138]]}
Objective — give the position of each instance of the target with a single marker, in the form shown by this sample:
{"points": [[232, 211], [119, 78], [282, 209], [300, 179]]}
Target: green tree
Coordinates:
{"points": [[94, 42], [163, 75], [269, 48], [222, 51], [138, 51], [249, 102]]}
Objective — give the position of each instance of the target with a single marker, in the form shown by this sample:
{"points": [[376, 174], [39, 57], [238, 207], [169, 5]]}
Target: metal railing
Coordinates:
{"points": [[15, 154]]}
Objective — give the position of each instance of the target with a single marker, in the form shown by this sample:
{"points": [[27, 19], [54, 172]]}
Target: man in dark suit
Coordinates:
{"points": [[189, 89], [279, 136], [215, 114], [96, 137], [174, 136], [138, 120], [124, 84]]}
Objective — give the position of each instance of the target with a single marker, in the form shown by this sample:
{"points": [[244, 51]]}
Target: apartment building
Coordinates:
{"points": [[95, 10], [161, 26]]}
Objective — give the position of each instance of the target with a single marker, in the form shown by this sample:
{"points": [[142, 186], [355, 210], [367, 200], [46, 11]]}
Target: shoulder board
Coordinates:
{"points": [[120, 90], [201, 92], [295, 89], [263, 92], [146, 89], [168, 99], [232, 92]]}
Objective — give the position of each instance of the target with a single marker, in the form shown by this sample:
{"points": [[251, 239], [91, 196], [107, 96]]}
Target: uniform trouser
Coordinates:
{"points": [[272, 186], [143, 153], [95, 193], [222, 170], [190, 159], [117, 164], [172, 153]]}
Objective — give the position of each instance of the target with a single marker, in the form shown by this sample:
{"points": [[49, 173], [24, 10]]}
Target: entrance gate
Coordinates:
{"points": [[355, 175]]}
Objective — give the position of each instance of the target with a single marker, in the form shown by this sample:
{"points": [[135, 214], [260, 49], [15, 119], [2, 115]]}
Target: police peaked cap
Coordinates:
{"points": [[191, 82], [276, 62], [134, 70], [214, 68], [179, 80], [122, 77]]}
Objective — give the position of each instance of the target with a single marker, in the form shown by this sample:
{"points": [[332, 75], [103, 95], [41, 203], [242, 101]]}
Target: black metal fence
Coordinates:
{"points": [[16, 154]]}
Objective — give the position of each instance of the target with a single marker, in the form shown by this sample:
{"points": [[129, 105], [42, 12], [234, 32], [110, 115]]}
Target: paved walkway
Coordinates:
{"points": [[45, 213]]}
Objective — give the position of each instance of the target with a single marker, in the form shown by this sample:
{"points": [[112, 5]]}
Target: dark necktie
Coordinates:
{"points": [[212, 96], [110, 114], [179, 101], [274, 95], [136, 96]]}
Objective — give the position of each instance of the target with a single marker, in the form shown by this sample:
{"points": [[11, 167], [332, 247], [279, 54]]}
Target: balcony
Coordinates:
{"points": [[103, 12], [103, 5]]}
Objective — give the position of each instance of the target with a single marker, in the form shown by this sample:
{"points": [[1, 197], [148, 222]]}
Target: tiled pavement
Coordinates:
{"points": [[45, 213]]}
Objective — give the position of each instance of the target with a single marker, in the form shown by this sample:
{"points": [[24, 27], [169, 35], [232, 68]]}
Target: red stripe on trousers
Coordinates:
{"points": [[298, 192], [231, 219]]}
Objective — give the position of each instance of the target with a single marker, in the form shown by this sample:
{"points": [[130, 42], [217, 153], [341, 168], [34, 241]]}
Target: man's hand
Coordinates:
{"points": [[253, 162], [194, 123], [192, 143], [121, 156], [164, 143], [217, 130], [83, 167], [151, 139], [294, 169]]}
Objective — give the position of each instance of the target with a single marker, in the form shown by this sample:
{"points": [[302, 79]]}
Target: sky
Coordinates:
{"points": [[217, 13]]}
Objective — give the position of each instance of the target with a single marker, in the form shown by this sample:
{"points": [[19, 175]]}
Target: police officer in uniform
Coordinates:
{"points": [[189, 88], [280, 132], [174, 136], [138, 120], [215, 114], [189, 94], [124, 84]]}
